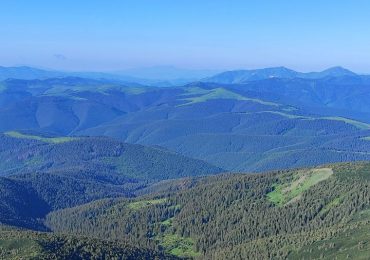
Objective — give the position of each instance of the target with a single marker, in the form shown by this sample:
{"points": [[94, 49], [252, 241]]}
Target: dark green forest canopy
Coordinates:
{"points": [[22, 153], [23, 244], [40, 176], [274, 215]]}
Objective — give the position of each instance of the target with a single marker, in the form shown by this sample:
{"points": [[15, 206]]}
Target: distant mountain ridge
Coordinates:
{"points": [[170, 76], [153, 76], [27, 73], [243, 76], [30, 73], [168, 73]]}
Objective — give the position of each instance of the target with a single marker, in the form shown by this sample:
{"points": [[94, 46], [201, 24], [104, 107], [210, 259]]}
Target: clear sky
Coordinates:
{"points": [[207, 34]]}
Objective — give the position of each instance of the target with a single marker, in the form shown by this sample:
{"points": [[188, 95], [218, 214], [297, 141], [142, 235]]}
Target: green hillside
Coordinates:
{"points": [[38, 176], [201, 95], [275, 215]]}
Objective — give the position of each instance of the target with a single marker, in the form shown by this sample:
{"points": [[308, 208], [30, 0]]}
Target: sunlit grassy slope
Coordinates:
{"points": [[52, 140], [199, 95], [144, 203], [290, 191], [358, 124]]}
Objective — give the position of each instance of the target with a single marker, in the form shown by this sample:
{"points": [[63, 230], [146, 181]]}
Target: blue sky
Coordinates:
{"points": [[197, 34]]}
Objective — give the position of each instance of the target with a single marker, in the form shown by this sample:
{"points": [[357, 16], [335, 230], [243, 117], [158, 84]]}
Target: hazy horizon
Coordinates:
{"points": [[169, 67], [216, 35]]}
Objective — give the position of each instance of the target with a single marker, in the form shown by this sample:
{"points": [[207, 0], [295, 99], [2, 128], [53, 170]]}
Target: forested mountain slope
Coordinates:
{"points": [[318, 212], [43, 173], [22, 244], [26, 152]]}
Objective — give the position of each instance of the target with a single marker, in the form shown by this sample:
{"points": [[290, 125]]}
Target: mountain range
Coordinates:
{"points": [[253, 125], [262, 164], [170, 76], [244, 76], [163, 76]]}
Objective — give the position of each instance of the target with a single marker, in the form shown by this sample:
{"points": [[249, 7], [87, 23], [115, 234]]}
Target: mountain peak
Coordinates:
{"points": [[243, 76], [338, 69]]}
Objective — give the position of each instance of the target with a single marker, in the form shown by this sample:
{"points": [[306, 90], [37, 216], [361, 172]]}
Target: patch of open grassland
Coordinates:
{"points": [[285, 193], [178, 246], [144, 203], [53, 140]]}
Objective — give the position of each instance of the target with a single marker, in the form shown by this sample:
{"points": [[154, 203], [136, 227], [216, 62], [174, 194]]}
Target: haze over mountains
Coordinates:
{"points": [[269, 114], [158, 76], [243, 76], [119, 166], [161, 75]]}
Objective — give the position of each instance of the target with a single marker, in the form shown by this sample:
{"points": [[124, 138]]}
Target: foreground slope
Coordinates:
{"points": [[276, 215], [23, 244]]}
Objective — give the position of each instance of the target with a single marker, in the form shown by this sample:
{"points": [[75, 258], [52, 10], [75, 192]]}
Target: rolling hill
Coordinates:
{"points": [[267, 124]]}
